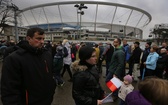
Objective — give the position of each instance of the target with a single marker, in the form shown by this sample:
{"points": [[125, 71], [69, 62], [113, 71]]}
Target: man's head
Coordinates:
{"points": [[164, 44], [154, 48], [12, 42], [124, 42], [163, 50], [35, 37], [136, 44], [117, 42], [148, 44]]}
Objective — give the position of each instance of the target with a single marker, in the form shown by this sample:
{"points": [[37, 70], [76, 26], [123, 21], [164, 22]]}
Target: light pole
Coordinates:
{"points": [[79, 11]]}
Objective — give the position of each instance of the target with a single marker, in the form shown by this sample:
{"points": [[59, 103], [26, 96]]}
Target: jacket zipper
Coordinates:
{"points": [[46, 66], [27, 97]]}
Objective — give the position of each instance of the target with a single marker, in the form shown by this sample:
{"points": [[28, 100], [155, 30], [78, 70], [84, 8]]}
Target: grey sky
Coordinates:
{"points": [[157, 8]]}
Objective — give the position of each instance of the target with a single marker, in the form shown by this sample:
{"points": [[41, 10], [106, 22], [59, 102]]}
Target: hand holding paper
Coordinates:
{"points": [[107, 99]]}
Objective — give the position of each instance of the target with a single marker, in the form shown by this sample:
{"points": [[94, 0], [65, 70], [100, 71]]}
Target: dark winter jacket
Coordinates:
{"points": [[135, 98], [135, 57], [162, 61], [118, 62], [109, 53], [58, 61], [27, 78], [86, 88], [145, 54]]}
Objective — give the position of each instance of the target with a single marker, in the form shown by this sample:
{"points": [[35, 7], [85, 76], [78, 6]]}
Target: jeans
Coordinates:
{"points": [[67, 67], [130, 68], [58, 79], [107, 67]]}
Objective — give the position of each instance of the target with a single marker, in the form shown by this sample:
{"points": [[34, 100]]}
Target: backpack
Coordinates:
{"points": [[65, 51]]}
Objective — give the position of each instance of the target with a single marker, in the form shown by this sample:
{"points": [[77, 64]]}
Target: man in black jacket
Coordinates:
{"points": [[135, 60], [27, 77], [144, 57]]}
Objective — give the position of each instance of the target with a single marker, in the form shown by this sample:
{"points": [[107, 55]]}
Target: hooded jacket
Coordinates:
{"points": [[151, 60], [86, 89], [118, 62], [136, 98], [27, 78], [67, 60]]}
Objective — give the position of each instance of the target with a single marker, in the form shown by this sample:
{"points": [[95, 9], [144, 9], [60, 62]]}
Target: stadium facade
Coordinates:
{"points": [[87, 20]]}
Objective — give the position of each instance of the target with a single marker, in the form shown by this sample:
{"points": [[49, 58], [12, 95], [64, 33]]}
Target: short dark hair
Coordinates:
{"points": [[31, 31], [119, 40]]}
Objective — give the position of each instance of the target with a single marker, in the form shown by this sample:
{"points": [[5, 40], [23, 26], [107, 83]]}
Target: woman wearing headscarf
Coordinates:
{"points": [[86, 88]]}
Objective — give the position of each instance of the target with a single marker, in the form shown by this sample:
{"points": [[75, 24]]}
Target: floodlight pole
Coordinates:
{"points": [[80, 24], [79, 11]]}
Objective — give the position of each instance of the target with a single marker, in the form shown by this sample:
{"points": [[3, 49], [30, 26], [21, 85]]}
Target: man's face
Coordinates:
{"points": [[124, 42], [135, 45], [36, 41], [164, 44], [146, 45], [115, 43]]}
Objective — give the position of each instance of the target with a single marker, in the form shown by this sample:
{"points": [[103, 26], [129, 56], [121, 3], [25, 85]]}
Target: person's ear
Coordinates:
{"points": [[28, 38]]}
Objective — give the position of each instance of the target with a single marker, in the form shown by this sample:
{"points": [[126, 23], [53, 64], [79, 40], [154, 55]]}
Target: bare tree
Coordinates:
{"points": [[6, 14]]}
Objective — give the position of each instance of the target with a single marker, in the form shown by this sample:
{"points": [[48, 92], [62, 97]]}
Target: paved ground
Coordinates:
{"points": [[63, 94]]}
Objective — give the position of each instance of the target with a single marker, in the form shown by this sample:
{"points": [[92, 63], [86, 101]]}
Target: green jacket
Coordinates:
{"points": [[118, 62]]}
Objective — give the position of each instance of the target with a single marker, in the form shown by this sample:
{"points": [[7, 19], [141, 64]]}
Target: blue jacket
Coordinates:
{"points": [[151, 60], [127, 52]]}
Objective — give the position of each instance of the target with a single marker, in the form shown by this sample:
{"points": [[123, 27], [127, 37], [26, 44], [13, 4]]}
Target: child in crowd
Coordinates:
{"points": [[58, 65], [125, 88]]}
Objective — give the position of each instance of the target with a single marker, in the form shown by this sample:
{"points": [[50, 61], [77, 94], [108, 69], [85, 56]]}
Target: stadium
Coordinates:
{"points": [[84, 20]]}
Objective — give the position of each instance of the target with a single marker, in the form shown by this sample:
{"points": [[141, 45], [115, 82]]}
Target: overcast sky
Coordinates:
{"points": [[157, 8]]}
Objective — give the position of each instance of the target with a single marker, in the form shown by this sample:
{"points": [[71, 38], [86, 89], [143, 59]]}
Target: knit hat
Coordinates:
{"points": [[128, 78], [85, 52]]}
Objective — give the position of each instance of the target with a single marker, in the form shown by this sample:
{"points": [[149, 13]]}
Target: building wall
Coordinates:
{"points": [[70, 34]]}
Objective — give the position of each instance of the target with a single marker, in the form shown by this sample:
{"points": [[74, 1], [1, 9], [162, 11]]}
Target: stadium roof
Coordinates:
{"points": [[97, 16]]}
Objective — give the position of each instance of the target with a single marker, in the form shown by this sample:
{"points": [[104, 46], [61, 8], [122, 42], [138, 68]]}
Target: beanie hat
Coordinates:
{"points": [[85, 53], [128, 78], [149, 43]]}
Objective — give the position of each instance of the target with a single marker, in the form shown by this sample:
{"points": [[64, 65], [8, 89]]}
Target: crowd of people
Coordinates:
{"points": [[32, 69]]}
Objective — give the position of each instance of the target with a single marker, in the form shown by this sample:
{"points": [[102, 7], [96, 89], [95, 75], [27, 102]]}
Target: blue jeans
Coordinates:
{"points": [[58, 79]]}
